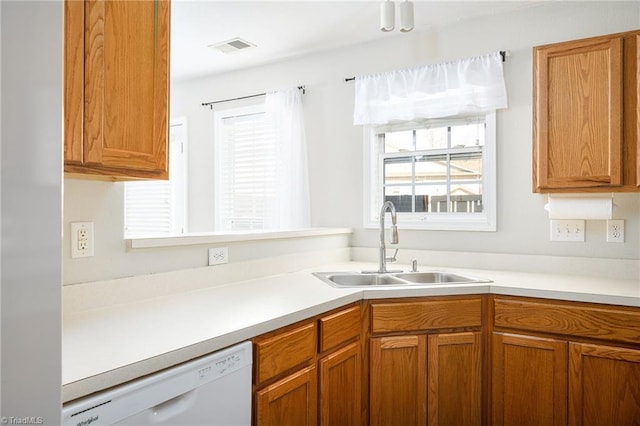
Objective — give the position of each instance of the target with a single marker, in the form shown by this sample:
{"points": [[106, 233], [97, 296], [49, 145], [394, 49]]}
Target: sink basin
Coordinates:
{"points": [[356, 279], [434, 277]]}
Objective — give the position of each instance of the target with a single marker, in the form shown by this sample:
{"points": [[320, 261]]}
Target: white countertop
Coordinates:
{"points": [[106, 346]]}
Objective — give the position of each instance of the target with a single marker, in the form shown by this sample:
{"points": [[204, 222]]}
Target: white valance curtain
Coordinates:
{"points": [[291, 208], [467, 86]]}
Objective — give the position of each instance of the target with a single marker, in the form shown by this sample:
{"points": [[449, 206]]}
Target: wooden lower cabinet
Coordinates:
{"points": [[420, 379], [429, 362], [311, 372], [291, 401], [604, 385], [341, 387], [454, 363], [529, 381], [398, 380]]}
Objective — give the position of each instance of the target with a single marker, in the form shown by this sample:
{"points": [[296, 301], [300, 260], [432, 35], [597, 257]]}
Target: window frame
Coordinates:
{"points": [[373, 182]]}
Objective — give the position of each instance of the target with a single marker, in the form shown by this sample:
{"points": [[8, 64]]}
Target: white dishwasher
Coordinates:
{"points": [[212, 390]]}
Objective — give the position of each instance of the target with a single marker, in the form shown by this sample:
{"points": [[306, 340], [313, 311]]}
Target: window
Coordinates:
{"points": [[157, 208], [440, 174], [245, 172]]}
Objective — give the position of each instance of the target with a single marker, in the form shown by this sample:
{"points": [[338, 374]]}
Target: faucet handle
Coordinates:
{"points": [[392, 258]]}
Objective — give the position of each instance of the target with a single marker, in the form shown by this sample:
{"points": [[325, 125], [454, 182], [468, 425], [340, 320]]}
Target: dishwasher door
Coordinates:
{"points": [[212, 390]]}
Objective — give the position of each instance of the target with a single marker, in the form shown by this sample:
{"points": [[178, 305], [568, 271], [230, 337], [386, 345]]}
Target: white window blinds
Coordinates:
{"points": [[261, 165], [246, 170], [157, 208], [469, 86]]}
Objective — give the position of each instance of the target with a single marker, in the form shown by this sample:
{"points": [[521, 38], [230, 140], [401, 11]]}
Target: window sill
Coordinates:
{"points": [[222, 238]]}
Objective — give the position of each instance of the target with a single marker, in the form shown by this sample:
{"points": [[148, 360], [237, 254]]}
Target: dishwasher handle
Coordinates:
{"points": [[173, 407]]}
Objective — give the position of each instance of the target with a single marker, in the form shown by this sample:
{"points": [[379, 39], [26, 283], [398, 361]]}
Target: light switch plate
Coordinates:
{"points": [[567, 230]]}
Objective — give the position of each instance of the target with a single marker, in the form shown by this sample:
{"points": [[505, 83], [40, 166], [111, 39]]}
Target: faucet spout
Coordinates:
{"points": [[387, 206]]}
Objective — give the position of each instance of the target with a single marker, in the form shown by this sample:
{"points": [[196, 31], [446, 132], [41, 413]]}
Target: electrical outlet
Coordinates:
{"points": [[81, 239], [615, 231], [567, 230], [218, 255]]}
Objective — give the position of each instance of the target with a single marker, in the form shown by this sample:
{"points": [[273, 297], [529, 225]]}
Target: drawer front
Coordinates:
{"points": [[604, 323], [339, 328], [426, 315], [281, 352]]}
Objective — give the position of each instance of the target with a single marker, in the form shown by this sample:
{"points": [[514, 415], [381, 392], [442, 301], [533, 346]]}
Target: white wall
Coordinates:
{"points": [[30, 188], [335, 145]]}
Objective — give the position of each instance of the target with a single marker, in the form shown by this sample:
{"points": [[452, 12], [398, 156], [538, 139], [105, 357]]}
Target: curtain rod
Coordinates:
{"points": [[503, 53], [210, 104]]}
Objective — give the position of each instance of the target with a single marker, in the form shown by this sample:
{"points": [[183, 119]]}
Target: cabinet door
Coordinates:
{"points": [[578, 115], [126, 91], [291, 401], [341, 387], [604, 385], [455, 379], [529, 381], [398, 376]]}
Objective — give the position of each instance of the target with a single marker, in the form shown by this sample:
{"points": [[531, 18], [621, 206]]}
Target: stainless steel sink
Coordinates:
{"points": [[434, 277], [357, 279]]}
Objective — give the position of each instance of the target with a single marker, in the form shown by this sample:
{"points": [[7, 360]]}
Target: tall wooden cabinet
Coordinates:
{"points": [[426, 363], [116, 88], [585, 120]]}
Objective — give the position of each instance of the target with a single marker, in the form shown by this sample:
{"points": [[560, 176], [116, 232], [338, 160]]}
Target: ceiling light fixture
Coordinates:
{"points": [[388, 16]]}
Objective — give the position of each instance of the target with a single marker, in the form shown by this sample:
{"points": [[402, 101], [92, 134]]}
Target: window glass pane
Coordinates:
{"points": [[466, 198], [400, 196], [434, 138], [466, 166], [398, 170], [398, 141], [467, 135], [436, 198], [431, 168]]}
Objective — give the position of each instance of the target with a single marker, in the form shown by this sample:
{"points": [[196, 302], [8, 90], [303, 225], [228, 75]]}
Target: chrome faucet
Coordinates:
{"points": [[382, 265]]}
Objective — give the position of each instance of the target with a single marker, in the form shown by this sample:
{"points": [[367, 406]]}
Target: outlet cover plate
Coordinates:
{"points": [[81, 239], [218, 255], [615, 231]]}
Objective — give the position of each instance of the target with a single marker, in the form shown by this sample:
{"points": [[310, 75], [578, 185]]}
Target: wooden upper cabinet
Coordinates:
{"points": [[116, 100], [585, 115]]}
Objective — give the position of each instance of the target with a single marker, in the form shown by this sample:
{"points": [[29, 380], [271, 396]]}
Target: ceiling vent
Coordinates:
{"points": [[233, 45]]}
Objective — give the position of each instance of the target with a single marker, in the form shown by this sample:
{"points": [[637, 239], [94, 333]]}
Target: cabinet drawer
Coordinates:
{"points": [[604, 323], [275, 354], [339, 328], [426, 315]]}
